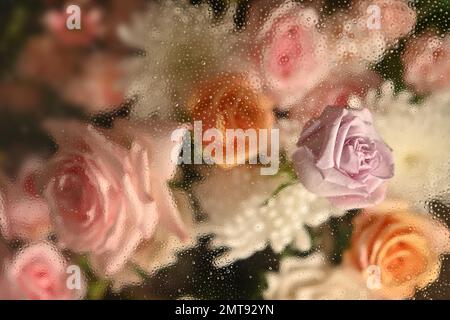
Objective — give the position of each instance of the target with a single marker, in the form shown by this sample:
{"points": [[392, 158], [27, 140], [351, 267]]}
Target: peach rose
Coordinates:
{"points": [[290, 53], [404, 246], [104, 198], [25, 214], [38, 272], [229, 101], [427, 63]]}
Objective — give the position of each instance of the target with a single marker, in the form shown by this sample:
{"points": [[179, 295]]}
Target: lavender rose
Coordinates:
{"points": [[340, 156]]}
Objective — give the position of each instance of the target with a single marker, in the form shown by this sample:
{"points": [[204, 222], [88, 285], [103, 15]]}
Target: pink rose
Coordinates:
{"points": [[155, 138], [39, 272], [340, 156], [106, 199], [24, 214], [290, 52], [335, 91], [427, 63]]}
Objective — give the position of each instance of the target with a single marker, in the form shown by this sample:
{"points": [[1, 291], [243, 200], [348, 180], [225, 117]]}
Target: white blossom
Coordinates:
{"points": [[183, 44], [245, 222], [311, 278]]}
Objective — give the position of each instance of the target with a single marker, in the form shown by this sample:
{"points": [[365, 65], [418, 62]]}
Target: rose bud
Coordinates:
{"points": [[39, 272]]}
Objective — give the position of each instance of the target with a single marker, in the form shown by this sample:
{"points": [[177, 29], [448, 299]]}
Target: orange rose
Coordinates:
{"points": [[229, 101], [405, 247]]}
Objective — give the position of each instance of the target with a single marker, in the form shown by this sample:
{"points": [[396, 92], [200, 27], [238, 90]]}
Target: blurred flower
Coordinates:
{"points": [[119, 13], [351, 44], [91, 28], [250, 217], [354, 37], [289, 52], [194, 47], [419, 136], [38, 272], [334, 91], [155, 137], [158, 252], [384, 99], [98, 86], [229, 101], [427, 63], [93, 81], [406, 247], [44, 61], [311, 278], [341, 157], [25, 214], [397, 18], [105, 200]]}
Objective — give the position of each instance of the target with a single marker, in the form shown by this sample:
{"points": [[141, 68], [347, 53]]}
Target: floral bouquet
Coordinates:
{"points": [[224, 149]]}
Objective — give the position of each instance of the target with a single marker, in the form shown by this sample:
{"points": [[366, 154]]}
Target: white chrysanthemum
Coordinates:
{"points": [[246, 223], [183, 43], [420, 138], [312, 278]]}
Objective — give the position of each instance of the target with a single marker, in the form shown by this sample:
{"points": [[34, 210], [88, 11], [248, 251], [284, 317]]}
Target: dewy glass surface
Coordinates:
{"points": [[224, 149]]}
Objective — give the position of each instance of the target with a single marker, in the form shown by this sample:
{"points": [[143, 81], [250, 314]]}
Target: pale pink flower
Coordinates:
{"points": [[160, 251], [397, 19], [155, 138], [24, 213], [38, 272], [106, 199], [90, 27], [351, 44], [427, 63], [289, 52], [363, 35]]}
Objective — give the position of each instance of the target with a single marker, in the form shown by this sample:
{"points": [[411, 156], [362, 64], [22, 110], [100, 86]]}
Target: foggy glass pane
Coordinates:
{"points": [[224, 149]]}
